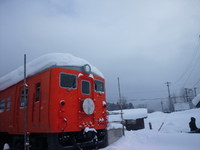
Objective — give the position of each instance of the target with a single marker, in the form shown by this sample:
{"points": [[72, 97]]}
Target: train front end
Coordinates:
{"points": [[78, 106]]}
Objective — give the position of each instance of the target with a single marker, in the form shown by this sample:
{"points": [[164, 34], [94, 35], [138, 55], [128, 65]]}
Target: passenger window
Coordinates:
{"points": [[85, 87], [8, 103], [2, 105], [99, 86], [22, 98], [37, 89], [67, 81]]}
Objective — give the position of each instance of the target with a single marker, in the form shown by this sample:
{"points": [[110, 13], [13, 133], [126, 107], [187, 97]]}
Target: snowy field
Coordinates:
{"points": [[172, 136]]}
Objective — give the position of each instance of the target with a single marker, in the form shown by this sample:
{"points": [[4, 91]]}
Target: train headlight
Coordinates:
{"points": [[87, 68], [88, 106]]}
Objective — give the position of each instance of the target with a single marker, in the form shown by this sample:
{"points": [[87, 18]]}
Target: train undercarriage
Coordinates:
{"points": [[57, 141]]}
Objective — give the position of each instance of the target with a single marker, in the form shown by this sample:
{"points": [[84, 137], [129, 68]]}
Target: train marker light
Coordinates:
{"points": [[87, 68]]}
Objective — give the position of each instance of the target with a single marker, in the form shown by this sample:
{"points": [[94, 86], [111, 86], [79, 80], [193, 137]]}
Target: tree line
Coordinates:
{"points": [[117, 106]]}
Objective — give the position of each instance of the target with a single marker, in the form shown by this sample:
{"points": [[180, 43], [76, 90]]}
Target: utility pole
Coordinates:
{"points": [[120, 101], [169, 95], [186, 93], [26, 137], [195, 91]]}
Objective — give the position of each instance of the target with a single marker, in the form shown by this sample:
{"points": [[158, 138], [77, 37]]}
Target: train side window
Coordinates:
{"points": [[2, 105], [37, 96], [67, 80], [8, 103], [22, 98], [99, 86], [85, 87]]}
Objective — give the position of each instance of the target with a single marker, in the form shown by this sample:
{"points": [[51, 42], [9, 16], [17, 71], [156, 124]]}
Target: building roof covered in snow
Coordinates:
{"points": [[42, 63], [196, 101], [129, 113]]}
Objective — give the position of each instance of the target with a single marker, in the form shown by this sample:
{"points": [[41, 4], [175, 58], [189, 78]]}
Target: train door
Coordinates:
{"points": [[86, 98], [22, 96], [36, 105]]}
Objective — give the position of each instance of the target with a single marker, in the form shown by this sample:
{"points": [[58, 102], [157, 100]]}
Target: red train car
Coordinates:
{"points": [[65, 109]]}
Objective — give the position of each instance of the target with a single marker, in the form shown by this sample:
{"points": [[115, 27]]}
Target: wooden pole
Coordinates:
{"points": [[26, 139]]}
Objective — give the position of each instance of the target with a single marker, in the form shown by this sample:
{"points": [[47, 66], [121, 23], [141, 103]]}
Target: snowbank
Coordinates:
{"points": [[172, 136], [41, 63], [177, 122], [151, 140]]}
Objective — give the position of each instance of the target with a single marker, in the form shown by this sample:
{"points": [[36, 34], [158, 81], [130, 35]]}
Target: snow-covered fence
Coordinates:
{"points": [[114, 135]]}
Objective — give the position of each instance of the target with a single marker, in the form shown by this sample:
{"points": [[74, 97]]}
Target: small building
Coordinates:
{"points": [[134, 124], [134, 119]]}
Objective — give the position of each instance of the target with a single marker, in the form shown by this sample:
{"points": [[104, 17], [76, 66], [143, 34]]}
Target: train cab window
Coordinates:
{"points": [[2, 105], [67, 81], [85, 87], [37, 96], [99, 86], [8, 103], [22, 98]]}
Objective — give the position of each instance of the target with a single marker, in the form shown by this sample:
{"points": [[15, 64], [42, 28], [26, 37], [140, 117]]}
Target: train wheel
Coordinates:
{"points": [[18, 145], [39, 143], [1, 145], [53, 142], [95, 141], [104, 142]]}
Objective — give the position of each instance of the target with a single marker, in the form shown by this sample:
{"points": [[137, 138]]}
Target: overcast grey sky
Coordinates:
{"points": [[144, 42]]}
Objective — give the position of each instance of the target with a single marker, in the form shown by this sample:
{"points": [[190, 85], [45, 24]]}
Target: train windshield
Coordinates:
{"points": [[99, 86], [67, 80], [85, 87]]}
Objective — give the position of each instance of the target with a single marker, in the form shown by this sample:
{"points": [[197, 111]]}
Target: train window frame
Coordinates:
{"points": [[88, 88], [8, 103], [37, 92], [98, 91], [74, 87], [22, 102], [2, 105]]}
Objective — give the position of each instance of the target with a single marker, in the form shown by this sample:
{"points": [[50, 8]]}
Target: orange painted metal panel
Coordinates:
{"points": [[48, 115]]}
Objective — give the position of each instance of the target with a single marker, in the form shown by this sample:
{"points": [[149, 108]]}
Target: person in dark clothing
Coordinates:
{"points": [[192, 124]]}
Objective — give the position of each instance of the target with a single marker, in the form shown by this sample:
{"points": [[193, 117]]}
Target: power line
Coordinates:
{"points": [[148, 99], [152, 99], [150, 91], [195, 64], [191, 71], [188, 68], [196, 83]]}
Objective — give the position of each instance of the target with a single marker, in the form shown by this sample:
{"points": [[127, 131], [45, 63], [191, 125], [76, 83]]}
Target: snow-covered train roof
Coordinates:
{"points": [[42, 63]]}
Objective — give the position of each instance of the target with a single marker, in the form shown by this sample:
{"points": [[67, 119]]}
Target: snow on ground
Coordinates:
{"points": [[41, 63], [172, 136]]}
